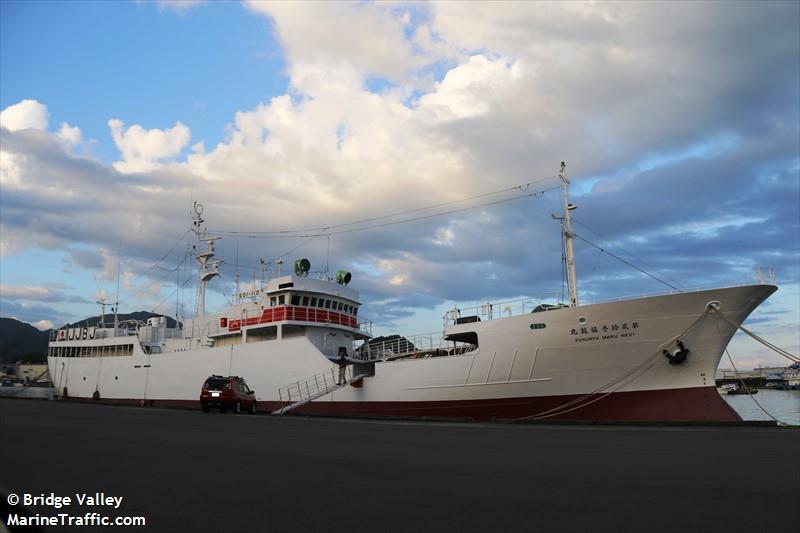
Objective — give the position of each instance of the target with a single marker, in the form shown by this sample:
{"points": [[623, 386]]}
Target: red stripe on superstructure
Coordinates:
{"points": [[277, 314]]}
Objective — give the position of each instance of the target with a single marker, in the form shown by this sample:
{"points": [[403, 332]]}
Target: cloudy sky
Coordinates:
{"points": [[679, 124]]}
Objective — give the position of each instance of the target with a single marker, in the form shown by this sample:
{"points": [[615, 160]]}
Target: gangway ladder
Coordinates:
{"points": [[306, 391]]}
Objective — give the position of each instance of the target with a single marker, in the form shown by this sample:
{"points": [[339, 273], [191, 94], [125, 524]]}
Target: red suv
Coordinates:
{"points": [[227, 392]]}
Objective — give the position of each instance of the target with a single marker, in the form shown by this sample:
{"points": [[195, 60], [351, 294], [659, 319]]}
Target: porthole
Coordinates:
{"points": [[582, 320], [116, 377], [84, 378], [538, 325]]}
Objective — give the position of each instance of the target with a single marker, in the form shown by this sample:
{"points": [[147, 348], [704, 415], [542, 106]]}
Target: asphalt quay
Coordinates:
{"points": [[191, 471]]}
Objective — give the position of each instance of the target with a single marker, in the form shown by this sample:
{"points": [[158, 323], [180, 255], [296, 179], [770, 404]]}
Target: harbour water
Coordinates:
{"points": [[782, 404]]}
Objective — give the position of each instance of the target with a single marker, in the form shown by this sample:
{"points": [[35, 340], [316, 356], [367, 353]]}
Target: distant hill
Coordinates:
{"points": [[21, 341]]}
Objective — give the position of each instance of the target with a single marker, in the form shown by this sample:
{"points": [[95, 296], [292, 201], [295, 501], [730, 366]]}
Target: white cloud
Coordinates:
{"points": [[11, 169], [144, 150], [504, 92], [179, 6], [71, 135], [367, 36], [25, 293], [27, 114], [31, 292], [470, 89], [43, 325]]}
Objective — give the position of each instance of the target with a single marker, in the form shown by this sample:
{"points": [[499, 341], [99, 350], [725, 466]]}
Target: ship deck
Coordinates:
{"points": [[312, 474]]}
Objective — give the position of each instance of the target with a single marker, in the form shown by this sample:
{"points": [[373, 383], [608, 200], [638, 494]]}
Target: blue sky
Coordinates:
{"points": [[679, 124], [91, 60]]}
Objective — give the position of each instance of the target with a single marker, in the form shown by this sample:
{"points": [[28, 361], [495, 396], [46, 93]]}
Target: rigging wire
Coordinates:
{"points": [[285, 233], [140, 290], [324, 231], [765, 342], [741, 381], [603, 250], [627, 377], [190, 278], [609, 241], [133, 291]]}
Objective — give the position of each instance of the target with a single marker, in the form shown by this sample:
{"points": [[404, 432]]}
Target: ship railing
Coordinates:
{"points": [[494, 310], [669, 292], [156, 334], [306, 390], [246, 319], [420, 345], [365, 326]]}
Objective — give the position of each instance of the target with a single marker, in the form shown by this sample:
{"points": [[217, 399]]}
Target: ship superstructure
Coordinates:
{"points": [[646, 358]]}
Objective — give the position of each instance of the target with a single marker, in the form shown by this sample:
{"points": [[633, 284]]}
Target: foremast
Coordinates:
{"points": [[203, 254], [567, 234]]}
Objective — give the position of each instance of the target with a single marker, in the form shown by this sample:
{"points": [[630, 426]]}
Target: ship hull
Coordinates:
{"points": [[599, 362], [702, 404]]}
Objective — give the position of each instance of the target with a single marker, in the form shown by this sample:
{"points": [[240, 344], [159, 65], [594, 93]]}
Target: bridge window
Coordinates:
{"points": [[272, 301], [295, 299], [321, 303], [340, 306], [305, 301], [313, 302], [281, 299], [327, 304], [267, 333], [291, 330]]}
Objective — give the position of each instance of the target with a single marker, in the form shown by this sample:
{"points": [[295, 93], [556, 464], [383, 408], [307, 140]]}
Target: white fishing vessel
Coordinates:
{"points": [[650, 358]]}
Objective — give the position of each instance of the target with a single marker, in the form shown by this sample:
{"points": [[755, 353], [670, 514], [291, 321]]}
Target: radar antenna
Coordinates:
{"points": [[209, 267]]}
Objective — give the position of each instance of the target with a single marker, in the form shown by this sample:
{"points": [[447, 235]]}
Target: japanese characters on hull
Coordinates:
{"points": [[604, 332]]}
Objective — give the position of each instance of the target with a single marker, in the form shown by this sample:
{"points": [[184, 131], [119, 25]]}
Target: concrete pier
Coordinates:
{"points": [[191, 471]]}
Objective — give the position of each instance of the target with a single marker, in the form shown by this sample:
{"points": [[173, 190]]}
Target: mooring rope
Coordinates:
{"points": [[765, 342], [741, 381], [641, 368]]}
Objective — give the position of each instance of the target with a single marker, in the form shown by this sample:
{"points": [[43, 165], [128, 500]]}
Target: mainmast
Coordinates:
{"points": [[208, 268], [566, 231]]}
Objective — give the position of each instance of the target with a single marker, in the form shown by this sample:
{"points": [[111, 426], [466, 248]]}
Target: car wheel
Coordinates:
{"points": [[238, 407], [253, 408], [205, 407]]}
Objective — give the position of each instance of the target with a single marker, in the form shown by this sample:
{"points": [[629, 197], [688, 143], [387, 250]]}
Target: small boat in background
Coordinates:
{"points": [[742, 390]]}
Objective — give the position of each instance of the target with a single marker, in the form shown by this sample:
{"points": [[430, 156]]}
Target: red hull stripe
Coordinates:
{"points": [[700, 404]]}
